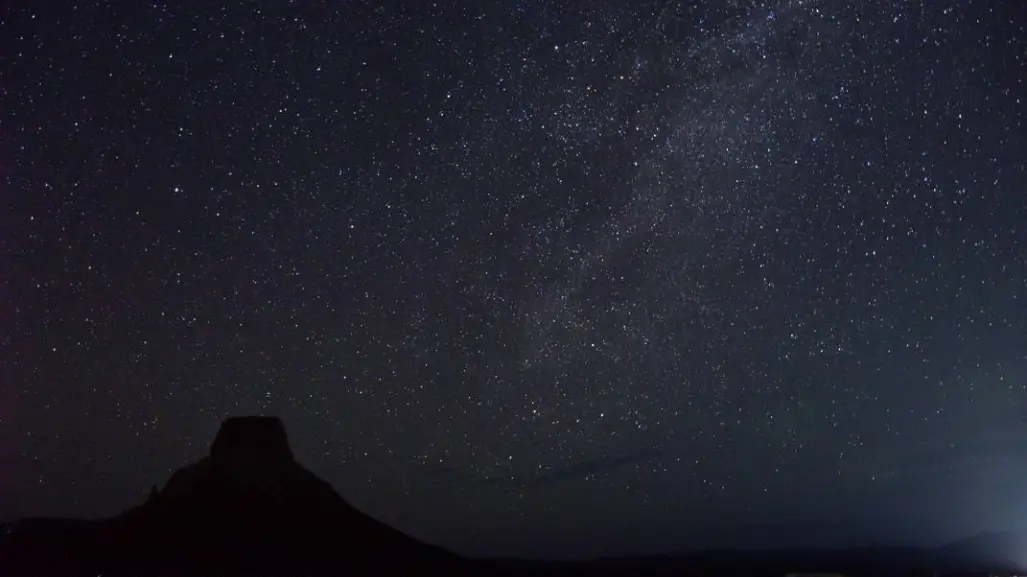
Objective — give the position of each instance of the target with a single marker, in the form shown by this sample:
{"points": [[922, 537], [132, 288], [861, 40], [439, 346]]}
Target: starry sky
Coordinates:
{"points": [[525, 277]]}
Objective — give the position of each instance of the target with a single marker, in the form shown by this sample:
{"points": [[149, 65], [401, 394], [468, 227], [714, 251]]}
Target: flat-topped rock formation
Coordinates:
{"points": [[247, 508], [255, 438]]}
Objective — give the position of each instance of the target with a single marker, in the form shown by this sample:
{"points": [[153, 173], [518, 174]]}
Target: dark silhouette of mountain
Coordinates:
{"points": [[250, 509], [246, 509]]}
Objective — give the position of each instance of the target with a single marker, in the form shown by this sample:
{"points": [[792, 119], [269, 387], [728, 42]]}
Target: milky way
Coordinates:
{"points": [[523, 277]]}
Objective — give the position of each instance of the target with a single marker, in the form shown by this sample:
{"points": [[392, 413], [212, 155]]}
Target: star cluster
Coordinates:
{"points": [[512, 271]]}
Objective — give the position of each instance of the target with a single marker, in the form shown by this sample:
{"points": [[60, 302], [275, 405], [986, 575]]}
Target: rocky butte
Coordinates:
{"points": [[248, 508]]}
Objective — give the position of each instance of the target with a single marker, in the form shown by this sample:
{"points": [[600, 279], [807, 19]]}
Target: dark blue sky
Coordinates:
{"points": [[525, 277]]}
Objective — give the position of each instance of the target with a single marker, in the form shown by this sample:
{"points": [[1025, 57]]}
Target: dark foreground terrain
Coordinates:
{"points": [[250, 509]]}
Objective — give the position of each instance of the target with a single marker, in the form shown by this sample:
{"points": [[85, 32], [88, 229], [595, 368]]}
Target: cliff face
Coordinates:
{"points": [[247, 508]]}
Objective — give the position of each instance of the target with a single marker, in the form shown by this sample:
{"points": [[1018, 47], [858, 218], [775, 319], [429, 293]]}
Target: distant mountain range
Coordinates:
{"points": [[250, 509], [986, 554]]}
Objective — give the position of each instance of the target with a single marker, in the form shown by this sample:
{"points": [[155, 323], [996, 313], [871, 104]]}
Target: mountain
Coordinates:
{"points": [[987, 550], [990, 554], [246, 509], [249, 508]]}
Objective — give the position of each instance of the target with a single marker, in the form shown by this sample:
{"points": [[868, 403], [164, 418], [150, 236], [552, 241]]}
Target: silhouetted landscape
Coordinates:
{"points": [[623, 288], [247, 508], [250, 509]]}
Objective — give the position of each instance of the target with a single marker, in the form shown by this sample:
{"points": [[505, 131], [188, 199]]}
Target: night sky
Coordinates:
{"points": [[525, 277]]}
